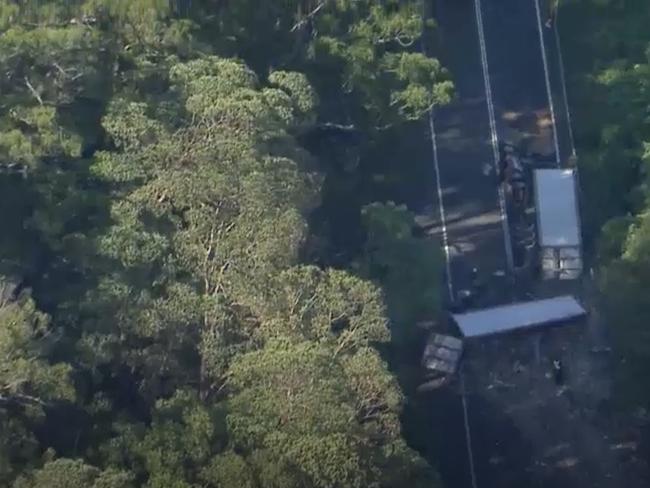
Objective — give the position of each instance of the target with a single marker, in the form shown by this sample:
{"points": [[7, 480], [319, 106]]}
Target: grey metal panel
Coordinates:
{"points": [[442, 353], [569, 253], [507, 318], [449, 355], [446, 341], [439, 365], [557, 209]]}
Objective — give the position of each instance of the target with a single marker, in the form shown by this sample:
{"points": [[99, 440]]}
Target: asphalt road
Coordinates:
{"points": [[529, 107], [519, 73], [558, 91], [520, 84], [469, 195]]}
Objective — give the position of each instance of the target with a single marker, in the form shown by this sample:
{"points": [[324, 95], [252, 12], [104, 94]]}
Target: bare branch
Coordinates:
{"points": [[21, 400], [402, 39], [58, 66], [33, 90], [309, 16], [405, 41], [206, 262], [329, 128]]}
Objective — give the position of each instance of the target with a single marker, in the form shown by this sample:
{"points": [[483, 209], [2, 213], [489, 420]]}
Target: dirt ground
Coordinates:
{"points": [[562, 435]]}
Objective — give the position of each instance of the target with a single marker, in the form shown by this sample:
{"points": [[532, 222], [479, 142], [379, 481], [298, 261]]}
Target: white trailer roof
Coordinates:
{"points": [[557, 209], [516, 316]]}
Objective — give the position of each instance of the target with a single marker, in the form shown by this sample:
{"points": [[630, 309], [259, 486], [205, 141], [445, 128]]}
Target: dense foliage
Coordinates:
{"points": [[613, 137], [168, 318]]}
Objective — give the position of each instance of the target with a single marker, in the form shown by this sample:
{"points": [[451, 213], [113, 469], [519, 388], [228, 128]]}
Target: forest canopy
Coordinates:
{"points": [[170, 316]]}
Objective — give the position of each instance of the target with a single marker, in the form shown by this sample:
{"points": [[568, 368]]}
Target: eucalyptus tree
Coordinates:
{"points": [[29, 383], [207, 206], [363, 57], [69, 473]]}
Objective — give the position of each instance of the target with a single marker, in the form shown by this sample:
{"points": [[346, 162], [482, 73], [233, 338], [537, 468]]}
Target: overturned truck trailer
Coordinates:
{"points": [[499, 329], [522, 316], [558, 224]]}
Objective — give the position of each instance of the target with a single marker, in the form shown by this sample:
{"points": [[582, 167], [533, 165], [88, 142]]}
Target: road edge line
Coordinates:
{"points": [[441, 206], [565, 95], [494, 137], [547, 79]]}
